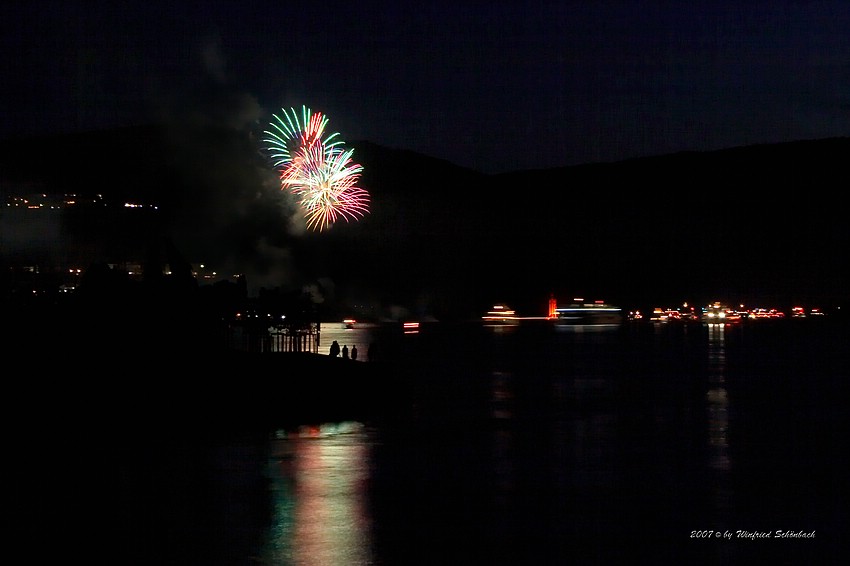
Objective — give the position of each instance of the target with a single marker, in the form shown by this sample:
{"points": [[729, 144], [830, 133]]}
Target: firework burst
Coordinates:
{"points": [[317, 168]]}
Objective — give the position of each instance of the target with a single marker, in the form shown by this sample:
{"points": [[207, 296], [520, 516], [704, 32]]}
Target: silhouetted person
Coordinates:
{"points": [[334, 352], [354, 352], [345, 352]]}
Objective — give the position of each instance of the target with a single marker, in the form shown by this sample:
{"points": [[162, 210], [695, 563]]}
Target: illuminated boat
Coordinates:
{"points": [[665, 315], [761, 313], [719, 313], [500, 314], [349, 322], [679, 314], [597, 313]]}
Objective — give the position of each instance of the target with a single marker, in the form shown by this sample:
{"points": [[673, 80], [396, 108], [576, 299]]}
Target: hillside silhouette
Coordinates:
{"points": [[757, 223]]}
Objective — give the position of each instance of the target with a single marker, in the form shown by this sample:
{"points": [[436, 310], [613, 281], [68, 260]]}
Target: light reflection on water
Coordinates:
{"points": [[717, 398], [548, 447], [504, 438], [717, 403], [320, 516]]}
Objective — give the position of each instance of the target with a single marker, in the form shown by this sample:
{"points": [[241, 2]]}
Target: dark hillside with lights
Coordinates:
{"points": [[756, 223]]}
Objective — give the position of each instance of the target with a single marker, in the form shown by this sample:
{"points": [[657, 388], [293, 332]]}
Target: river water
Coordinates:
{"points": [[527, 444]]}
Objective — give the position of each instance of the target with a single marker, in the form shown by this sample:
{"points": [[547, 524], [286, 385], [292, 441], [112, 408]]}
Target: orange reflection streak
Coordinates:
{"points": [[324, 520]]}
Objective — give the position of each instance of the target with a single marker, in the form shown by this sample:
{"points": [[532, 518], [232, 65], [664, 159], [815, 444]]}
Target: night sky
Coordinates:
{"points": [[491, 86]]}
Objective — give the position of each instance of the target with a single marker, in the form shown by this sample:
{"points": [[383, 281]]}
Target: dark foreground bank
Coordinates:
{"points": [[151, 370], [116, 440]]}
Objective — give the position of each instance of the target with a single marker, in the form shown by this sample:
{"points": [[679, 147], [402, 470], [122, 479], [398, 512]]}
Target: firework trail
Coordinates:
{"points": [[318, 169]]}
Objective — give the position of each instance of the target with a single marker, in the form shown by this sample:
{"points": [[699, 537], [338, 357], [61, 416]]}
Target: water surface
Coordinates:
{"points": [[513, 445]]}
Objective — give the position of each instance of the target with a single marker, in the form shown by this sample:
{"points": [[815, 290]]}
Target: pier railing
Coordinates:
{"points": [[247, 338]]}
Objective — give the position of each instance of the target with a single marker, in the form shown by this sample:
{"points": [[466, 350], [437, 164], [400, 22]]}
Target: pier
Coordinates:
{"points": [[280, 338]]}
